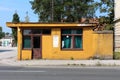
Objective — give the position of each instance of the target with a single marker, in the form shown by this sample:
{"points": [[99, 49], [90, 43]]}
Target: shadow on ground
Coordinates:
{"points": [[5, 50]]}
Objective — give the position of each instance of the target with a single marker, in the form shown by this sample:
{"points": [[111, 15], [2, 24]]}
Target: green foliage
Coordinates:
{"points": [[2, 34], [7, 33], [117, 55], [73, 10], [108, 24], [15, 18], [107, 6], [14, 30], [0, 29]]}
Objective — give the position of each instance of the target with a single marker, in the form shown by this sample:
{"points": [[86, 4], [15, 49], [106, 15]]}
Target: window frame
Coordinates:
{"points": [[24, 35], [32, 35], [72, 39]]}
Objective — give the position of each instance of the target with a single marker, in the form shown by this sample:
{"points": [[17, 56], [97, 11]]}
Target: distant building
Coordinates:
{"points": [[6, 41], [117, 26]]}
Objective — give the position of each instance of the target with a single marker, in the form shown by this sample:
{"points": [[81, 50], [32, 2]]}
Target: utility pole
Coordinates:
{"points": [[52, 13]]}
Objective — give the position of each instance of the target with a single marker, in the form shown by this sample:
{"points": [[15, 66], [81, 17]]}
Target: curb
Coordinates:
{"points": [[83, 63]]}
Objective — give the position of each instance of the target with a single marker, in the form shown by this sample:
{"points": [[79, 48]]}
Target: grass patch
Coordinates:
{"points": [[117, 55]]}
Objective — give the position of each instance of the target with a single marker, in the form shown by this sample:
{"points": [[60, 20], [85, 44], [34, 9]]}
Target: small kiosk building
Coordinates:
{"points": [[61, 41]]}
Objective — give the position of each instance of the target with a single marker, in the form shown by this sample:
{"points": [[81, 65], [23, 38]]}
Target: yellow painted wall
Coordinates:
{"points": [[26, 54], [19, 33], [46, 46], [103, 44], [50, 52], [22, 54], [93, 43]]}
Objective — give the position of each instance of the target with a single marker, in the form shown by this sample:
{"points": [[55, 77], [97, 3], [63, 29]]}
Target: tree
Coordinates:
{"points": [[71, 10], [0, 29], [74, 10], [14, 30], [2, 34], [27, 19], [7, 33], [107, 6]]}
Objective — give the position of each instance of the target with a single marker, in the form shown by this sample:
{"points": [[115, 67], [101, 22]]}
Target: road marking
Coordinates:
{"points": [[18, 71]]}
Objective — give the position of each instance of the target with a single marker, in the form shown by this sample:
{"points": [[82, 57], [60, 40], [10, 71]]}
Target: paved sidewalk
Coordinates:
{"points": [[83, 63], [8, 56], [8, 52]]}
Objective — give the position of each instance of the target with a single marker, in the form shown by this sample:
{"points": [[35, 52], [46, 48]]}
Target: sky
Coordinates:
{"points": [[9, 7]]}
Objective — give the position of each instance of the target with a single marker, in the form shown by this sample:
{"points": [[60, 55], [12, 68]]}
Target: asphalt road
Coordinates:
{"points": [[24, 73]]}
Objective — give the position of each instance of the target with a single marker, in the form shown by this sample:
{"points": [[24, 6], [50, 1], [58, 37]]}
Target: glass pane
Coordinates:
{"points": [[66, 41], [36, 31], [36, 42], [79, 31], [74, 31], [26, 32], [26, 42], [46, 31], [78, 41], [66, 31]]}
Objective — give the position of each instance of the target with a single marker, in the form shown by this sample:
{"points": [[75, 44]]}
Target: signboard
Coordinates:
{"points": [[55, 40]]}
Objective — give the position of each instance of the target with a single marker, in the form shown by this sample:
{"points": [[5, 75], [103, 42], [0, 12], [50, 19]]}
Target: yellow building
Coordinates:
{"points": [[61, 41]]}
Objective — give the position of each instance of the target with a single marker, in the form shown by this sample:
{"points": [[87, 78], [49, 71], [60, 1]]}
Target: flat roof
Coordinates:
{"points": [[48, 25]]}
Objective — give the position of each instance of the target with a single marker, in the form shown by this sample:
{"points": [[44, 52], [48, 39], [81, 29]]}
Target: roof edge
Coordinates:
{"points": [[37, 24]]}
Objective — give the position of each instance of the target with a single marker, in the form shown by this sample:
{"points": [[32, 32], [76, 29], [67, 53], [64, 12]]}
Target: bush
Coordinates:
{"points": [[117, 55]]}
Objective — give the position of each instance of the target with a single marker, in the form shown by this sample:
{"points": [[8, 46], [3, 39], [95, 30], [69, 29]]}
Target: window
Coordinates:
{"points": [[36, 31], [29, 36], [26, 32], [46, 31], [27, 42], [71, 38]]}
